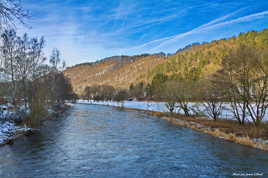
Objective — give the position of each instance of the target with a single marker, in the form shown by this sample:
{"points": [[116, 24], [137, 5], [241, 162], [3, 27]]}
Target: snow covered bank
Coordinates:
{"points": [[9, 130], [160, 107], [220, 131]]}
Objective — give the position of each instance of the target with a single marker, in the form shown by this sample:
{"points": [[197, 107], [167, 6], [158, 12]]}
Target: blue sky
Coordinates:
{"points": [[88, 30]]}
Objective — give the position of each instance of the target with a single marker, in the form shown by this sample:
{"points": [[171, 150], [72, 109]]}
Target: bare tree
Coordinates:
{"points": [[245, 77], [57, 66], [55, 60], [29, 59], [87, 93], [171, 95], [137, 90], [9, 55], [63, 88], [23, 58], [236, 97], [121, 96], [212, 98], [107, 92], [185, 94], [11, 11]]}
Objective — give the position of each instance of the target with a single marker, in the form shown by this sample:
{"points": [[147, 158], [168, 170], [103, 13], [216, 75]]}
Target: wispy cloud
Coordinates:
{"points": [[219, 22], [241, 19], [154, 44], [123, 10], [91, 29]]}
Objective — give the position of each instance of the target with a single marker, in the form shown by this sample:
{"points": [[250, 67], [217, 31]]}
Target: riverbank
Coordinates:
{"points": [[229, 130], [249, 135], [101, 141], [10, 131]]}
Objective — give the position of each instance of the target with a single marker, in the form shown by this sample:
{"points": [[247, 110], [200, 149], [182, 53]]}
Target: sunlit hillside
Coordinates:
{"points": [[196, 61], [119, 73], [202, 60]]}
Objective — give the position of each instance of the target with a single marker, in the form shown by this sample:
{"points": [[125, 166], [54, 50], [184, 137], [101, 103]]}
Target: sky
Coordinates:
{"points": [[89, 30]]}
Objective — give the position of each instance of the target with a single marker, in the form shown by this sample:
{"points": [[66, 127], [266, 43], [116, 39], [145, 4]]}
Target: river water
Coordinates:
{"points": [[102, 141]]}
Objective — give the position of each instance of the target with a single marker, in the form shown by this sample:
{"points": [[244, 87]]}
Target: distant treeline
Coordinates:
{"points": [[242, 82], [118, 58]]}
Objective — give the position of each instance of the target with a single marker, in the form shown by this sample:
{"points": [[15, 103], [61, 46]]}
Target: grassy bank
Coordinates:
{"points": [[249, 135]]}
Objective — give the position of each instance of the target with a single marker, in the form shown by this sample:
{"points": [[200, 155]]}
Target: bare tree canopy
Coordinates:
{"points": [[245, 77], [11, 11]]}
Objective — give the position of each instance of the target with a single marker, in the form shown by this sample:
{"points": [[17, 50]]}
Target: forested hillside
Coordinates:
{"points": [[117, 71], [202, 60], [193, 62]]}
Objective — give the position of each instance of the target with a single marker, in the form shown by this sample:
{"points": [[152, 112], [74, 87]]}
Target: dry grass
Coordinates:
{"points": [[224, 129], [227, 126]]}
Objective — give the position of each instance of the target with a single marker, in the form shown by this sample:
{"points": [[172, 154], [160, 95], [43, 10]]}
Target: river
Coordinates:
{"points": [[102, 141]]}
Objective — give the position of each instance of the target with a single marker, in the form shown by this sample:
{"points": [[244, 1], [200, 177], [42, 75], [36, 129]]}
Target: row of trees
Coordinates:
{"points": [[241, 86], [109, 93], [30, 78], [105, 93], [245, 82], [27, 78]]}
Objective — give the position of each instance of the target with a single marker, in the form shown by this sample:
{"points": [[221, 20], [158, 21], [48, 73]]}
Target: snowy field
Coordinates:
{"points": [[160, 107]]}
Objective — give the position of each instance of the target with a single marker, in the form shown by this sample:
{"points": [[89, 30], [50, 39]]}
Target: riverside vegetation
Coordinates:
{"points": [[32, 84], [232, 71], [229, 72]]}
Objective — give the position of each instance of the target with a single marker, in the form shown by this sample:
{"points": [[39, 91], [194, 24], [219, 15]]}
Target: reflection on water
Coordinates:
{"points": [[101, 141]]}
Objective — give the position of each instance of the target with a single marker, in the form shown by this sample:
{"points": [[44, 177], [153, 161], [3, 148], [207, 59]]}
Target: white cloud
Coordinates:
{"points": [[157, 45], [82, 35]]}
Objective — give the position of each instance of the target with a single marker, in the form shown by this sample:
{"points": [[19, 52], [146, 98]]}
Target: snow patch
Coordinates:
{"points": [[160, 107]]}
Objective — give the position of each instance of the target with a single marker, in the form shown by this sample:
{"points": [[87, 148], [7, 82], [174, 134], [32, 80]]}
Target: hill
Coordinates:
{"points": [[198, 61], [194, 61], [117, 71]]}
